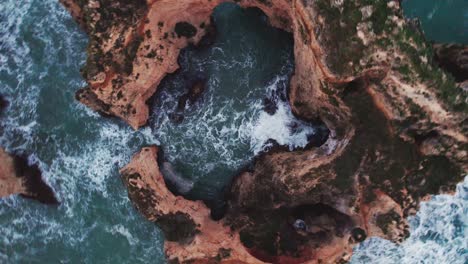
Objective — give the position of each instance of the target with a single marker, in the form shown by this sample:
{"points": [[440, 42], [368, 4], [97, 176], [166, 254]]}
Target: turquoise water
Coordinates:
{"points": [[223, 130], [41, 51], [442, 20]]}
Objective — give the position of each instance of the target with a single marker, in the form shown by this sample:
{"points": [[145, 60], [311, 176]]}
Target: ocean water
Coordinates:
{"points": [[79, 152], [442, 20], [223, 130]]}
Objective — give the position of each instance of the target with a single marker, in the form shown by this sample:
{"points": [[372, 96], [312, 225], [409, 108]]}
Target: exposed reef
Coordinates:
{"points": [[397, 122]]}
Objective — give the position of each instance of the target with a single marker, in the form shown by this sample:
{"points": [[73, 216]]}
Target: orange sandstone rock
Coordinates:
{"points": [[18, 177], [10, 183], [190, 233]]}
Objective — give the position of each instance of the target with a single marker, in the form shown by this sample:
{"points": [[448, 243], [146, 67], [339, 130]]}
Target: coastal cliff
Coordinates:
{"points": [[397, 122]]}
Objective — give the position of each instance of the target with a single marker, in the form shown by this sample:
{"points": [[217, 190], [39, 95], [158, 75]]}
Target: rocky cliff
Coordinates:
{"points": [[398, 127]]}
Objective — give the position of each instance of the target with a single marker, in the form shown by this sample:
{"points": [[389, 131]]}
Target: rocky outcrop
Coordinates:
{"points": [[306, 233], [398, 127], [181, 220], [17, 176]]}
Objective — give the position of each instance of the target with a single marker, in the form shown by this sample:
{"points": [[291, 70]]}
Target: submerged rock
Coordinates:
{"points": [[3, 104], [397, 128], [182, 185], [270, 106], [196, 88]]}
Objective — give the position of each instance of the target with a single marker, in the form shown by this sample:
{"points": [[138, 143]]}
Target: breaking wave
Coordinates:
{"points": [[438, 234]]}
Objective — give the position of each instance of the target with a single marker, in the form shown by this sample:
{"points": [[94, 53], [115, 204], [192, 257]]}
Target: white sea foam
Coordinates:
{"points": [[79, 155], [439, 234], [282, 126], [121, 230], [218, 127]]}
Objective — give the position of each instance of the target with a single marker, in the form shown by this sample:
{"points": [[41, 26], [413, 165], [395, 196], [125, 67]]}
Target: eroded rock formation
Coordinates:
{"points": [[181, 220], [398, 127], [18, 177]]}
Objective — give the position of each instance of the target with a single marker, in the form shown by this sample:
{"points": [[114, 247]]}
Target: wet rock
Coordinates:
{"points": [[182, 185], [271, 146], [3, 104], [197, 86], [318, 138], [270, 106]]}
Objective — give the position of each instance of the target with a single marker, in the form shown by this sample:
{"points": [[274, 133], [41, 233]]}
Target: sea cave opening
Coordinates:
{"points": [[226, 104]]}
